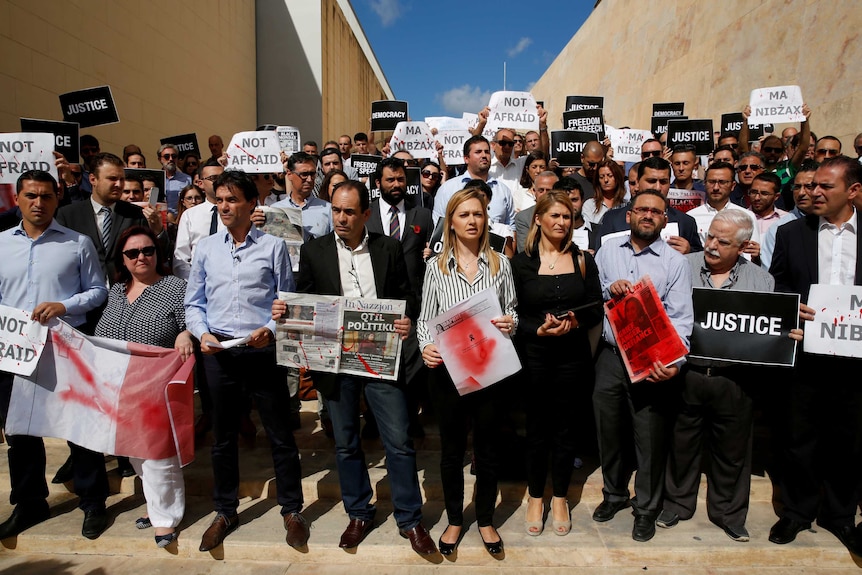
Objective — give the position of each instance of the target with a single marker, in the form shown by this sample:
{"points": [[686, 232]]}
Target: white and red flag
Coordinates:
{"points": [[109, 396]]}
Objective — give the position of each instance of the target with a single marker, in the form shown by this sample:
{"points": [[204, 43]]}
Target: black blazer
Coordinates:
{"points": [[319, 274], [615, 221], [794, 260], [418, 227]]}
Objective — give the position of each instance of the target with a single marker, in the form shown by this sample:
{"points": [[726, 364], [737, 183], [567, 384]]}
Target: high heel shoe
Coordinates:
{"points": [[534, 528], [493, 547], [163, 541], [562, 528], [449, 548]]}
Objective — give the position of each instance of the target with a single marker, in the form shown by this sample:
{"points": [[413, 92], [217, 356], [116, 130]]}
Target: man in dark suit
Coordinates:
{"points": [[542, 184], [825, 443], [355, 263]]}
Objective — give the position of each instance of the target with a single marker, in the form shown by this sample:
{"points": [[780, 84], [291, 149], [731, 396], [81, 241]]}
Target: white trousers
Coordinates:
{"points": [[164, 489]]}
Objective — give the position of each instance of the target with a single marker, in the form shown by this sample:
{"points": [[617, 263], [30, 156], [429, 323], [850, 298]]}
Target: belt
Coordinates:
{"points": [[613, 349], [225, 337], [711, 371]]}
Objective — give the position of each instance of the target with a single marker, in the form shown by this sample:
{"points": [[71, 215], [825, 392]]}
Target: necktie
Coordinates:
{"points": [[394, 226], [106, 227], [214, 220]]}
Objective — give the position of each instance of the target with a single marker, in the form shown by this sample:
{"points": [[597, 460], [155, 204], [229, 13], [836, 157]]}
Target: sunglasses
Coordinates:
{"points": [[506, 143], [430, 174], [133, 253], [752, 167], [169, 156], [651, 154]]}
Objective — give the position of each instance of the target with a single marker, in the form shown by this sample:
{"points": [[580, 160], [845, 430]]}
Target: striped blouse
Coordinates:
{"points": [[440, 292]]}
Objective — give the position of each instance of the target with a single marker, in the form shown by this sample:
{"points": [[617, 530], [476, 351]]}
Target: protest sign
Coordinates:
{"points": [[627, 144], [567, 145], [90, 107], [413, 195], [186, 144], [732, 124], [585, 121], [744, 326], [668, 109], [254, 153], [574, 103], [364, 164], [777, 104], [837, 325], [413, 137], [21, 341], [697, 133], [473, 121], [514, 110], [685, 200], [451, 133], [658, 124], [157, 177], [24, 151], [288, 139], [65, 135], [385, 114]]}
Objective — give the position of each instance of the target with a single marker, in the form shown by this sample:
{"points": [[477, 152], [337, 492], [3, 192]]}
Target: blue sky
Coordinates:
{"points": [[446, 57]]}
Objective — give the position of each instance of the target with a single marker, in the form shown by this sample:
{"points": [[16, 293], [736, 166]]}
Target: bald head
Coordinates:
{"points": [[593, 153]]}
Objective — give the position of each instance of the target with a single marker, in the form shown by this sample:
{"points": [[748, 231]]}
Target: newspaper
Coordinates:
{"points": [[340, 335], [643, 330], [285, 223]]}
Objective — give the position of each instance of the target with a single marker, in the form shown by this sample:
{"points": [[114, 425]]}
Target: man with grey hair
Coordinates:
{"points": [[175, 180], [543, 184]]}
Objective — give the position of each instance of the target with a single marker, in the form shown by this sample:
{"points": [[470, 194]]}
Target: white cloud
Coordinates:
{"points": [[519, 47], [388, 10], [464, 98], [529, 87]]}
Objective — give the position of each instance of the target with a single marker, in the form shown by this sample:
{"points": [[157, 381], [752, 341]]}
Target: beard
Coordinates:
{"points": [[170, 167], [647, 236]]}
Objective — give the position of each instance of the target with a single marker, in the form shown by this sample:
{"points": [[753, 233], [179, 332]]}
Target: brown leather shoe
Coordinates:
{"points": [[420, 540], [297, 530], [356, 531], [220, 528]]}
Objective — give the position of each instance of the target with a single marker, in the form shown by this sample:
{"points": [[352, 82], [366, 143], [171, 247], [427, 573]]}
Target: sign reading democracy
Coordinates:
{"points": [[668, 109], [90, 107], [364, 164], [515, 110], [837, 325], [567, 145], [627, 143], [254, 153], [413, 137], [744, 326], [288, 139], [698, 133], [778, 104], [574, 103], [385, 114], [185, 143], [658, 124], [590, 120], [24, 151], [21, 341], [65, 135]]}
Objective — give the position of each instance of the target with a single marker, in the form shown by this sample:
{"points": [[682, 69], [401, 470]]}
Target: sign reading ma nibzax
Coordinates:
{"points": [[837, 325], [698, 133], [65, 135], [744, 326], [21, 152], [777, 104], [413, 137], [385, 114], [254, 153], [90, 107]]}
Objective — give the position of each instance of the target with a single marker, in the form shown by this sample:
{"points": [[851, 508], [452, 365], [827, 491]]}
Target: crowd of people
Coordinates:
{"points": [[553, 243]]}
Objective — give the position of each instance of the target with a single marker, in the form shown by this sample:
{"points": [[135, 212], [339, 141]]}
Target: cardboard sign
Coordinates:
{"points": [[515, 110], [658, 124], [185, 143], [732, 124], [385, 114], [744, 326], [837, 325], [627, 143], [567, 145], [473, 121], [451, 133], [412, 189], [695, 132], [254, 153], [685, 200], [158, 178], [22, 341], [288, 139], [364, 164], [778, 104], [65, 135], [574, 103], [90, 107], [413, 137], [668, 109], [585, 121], [24, 151]]}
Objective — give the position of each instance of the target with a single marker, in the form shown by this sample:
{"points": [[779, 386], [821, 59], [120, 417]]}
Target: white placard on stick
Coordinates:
{"points": [[413, 137], [627, 143], [776, 104], [254, 153], [21, 341], [837, 325], [451, 133], [515, 110], [24, 151]]}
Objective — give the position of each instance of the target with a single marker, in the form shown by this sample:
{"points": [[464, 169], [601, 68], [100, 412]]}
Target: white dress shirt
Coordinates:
{"points": [[836, 252], [194, 225]]}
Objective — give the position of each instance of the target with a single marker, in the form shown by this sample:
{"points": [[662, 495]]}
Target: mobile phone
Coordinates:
{"points": [[154, 196], [561, 315]]}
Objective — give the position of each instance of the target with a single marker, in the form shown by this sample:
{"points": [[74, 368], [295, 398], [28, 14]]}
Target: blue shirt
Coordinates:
{"points": [[668, 270], [316, 215], [174, 184], [501, 209], [60, 265], [767, 244], [230, 289]]}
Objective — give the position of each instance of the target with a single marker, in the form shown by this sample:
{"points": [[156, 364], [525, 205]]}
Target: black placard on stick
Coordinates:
{"points": [[668, 109], [567, 145], [658, 124], [90, 107], [364, 164], [185, 143], [695, 132], [65, 135], [385, 114], [588, 120], [744, 326], [584, 103]]}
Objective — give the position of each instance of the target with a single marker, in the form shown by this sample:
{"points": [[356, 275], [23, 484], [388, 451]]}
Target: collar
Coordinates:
{"points": [[52, 227], [97, 207], [655, 247], [386, 206], [467, 176], [452, 262], [251, 238], [849, 225], [362, 245], [733, 277]]}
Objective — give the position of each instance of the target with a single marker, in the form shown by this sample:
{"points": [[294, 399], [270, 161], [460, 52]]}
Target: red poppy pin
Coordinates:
{"points": [[417, 230]]}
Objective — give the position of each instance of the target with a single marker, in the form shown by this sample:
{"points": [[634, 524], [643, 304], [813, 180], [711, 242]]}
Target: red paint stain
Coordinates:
{"points": [[75, 396], [365, 365], [249, 154], [478, 348], [76, 360]]}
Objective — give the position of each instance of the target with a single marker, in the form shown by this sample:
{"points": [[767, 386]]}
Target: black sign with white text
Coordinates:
{"points": [[385, 115], [567, 145], [412, 189], [590, 120], [90, 107], [658, 124], [584, 103], [65, 135], [698, 133], [668, 109], [744, 326], [732, 123], [364, 164], [185, 143]]}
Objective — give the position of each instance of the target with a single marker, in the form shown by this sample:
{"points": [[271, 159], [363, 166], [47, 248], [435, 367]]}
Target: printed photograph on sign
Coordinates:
{"points": [[289, 139], [685, 200], [254, 153]]}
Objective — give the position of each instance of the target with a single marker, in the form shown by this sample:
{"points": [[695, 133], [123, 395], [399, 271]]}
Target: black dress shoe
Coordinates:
{"points": [[95, 523], [607, 509], [493, 547], [65, 473], [24, 517], [124, 467], [449, 548], [848, 535], [785, 530], [644, 528]]}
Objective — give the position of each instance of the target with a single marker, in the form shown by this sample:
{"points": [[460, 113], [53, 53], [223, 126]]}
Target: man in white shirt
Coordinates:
{"points": [[198, 222]]}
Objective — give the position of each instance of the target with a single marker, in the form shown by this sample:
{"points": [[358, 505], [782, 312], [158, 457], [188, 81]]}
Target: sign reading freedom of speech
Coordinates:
{"points": [[65, 135], [837, 325], [695, 132], [385, 114], [658, 124], [413, 137], [515, 110], [590, 120], [744, 326], [777, 104], [254, 153], [288, 139], [732, 123], [90, 107], [627, 143], [574, 103], [364, 164], [567, 145], [21, 341], [24, 151], [185, 143]]}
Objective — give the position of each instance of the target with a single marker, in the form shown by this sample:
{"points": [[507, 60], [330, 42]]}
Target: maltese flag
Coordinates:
{"points": [[109, 396]]}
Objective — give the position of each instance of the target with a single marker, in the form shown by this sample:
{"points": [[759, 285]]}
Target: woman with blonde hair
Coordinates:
{"points": [[466, 266]]}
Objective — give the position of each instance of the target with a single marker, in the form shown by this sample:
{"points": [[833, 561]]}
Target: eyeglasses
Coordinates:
{"points": [[650, 154], [211, 178], [761, 194], [430, 174], [810, 186], [195, 199], [721, 183], [645, 211], [506, 143], [169, 156], [752, 167], [827, 152], [133, 253], [772, 150], [304, 175]]}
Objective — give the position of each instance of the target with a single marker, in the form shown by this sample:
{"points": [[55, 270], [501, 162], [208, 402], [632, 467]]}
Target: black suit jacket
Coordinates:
{"points": [[319, 274], [794, 260], [615, 221], [418, 227]]}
